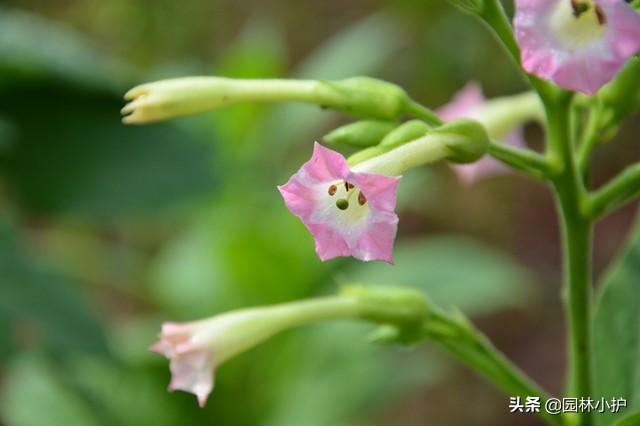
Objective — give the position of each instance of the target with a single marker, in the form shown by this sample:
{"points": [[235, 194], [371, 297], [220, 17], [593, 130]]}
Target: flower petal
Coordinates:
{"points": [[193, 372]]}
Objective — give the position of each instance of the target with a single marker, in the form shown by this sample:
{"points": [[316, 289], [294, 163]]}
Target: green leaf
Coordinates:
{"points": [[72, 155], [33, 395], [617, 331], [41, 305], [338, 376], [35, 49], [629, 420], [452, 271], [63, 148]]}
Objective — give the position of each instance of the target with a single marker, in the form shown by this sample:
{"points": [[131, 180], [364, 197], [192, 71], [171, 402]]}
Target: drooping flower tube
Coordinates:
{"points": [[195, 349], [578, 44], [470, 102], [348, 213]]}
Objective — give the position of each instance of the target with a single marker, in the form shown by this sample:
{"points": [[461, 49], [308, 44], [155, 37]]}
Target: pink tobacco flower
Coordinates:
{"points": [[195, 349], [191, 363], [348, 213], [578, 44], [468, 103]]}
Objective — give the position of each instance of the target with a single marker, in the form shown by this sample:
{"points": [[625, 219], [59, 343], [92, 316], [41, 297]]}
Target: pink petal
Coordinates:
{"points": [[463, 102], [377, 243], [584, 68], [193, 372], [365, 234]]}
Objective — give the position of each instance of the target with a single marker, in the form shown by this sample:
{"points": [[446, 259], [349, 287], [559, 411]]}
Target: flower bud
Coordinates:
{"points": [[166, 99], [620, 98], [362, 134], [471, 143], [364, 97]]}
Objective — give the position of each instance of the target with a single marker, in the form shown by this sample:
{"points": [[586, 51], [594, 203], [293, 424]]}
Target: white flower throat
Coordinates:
{"points": [[343, 204], [575, 24], [343, 198]]}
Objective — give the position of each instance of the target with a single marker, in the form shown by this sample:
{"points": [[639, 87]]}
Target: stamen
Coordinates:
{"points": [[349, 186], [579, 7], [362, 199], [332, 190], [342, 204]]}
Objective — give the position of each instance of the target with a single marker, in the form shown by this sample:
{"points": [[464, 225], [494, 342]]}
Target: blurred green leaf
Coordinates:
{"points": [[69, 152], [34, 395], [338, 376], [617, 331], [237, 255], [74, 156], [35, 49], [453, 271], [42, 305], [629, 420]]}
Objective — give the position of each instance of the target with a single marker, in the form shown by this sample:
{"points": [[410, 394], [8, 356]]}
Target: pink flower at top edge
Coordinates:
{"points": [[578, 44]]}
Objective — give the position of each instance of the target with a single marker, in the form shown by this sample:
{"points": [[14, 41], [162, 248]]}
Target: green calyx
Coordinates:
{"points": [[471, 144], [361, 134], [364, 97]]}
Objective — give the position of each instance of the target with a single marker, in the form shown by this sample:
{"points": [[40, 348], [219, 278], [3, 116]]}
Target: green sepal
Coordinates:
{"points": [[364, 97], [361, 134], [404, 133], [472, 144]]}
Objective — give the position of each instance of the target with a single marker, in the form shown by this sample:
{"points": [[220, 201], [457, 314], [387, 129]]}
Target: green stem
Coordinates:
{"points": [[622, 189], [577, 244], [524, 160], [418, 110], [456, 335], [588, 141]]}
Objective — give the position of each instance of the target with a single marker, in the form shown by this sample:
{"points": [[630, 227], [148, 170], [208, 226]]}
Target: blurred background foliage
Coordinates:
{"points": [[107, 230]]}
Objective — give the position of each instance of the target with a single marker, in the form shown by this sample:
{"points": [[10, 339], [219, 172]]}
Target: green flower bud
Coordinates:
{"points": [[404, 133], [620, 98], [471, 144], [362, 134], [364, 97]]}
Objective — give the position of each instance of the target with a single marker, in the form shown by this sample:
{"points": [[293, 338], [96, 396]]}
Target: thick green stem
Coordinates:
{"points": [[576, 229]]}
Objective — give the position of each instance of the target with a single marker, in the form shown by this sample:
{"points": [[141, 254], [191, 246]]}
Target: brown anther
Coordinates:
{"points": [[362, 199], [602, 18], [332, 190]]}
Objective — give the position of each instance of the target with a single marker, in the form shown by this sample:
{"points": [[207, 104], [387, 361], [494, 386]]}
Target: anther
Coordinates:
{"points": [[362, 199], [602, 18], [332, 190], [342, 204]]}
